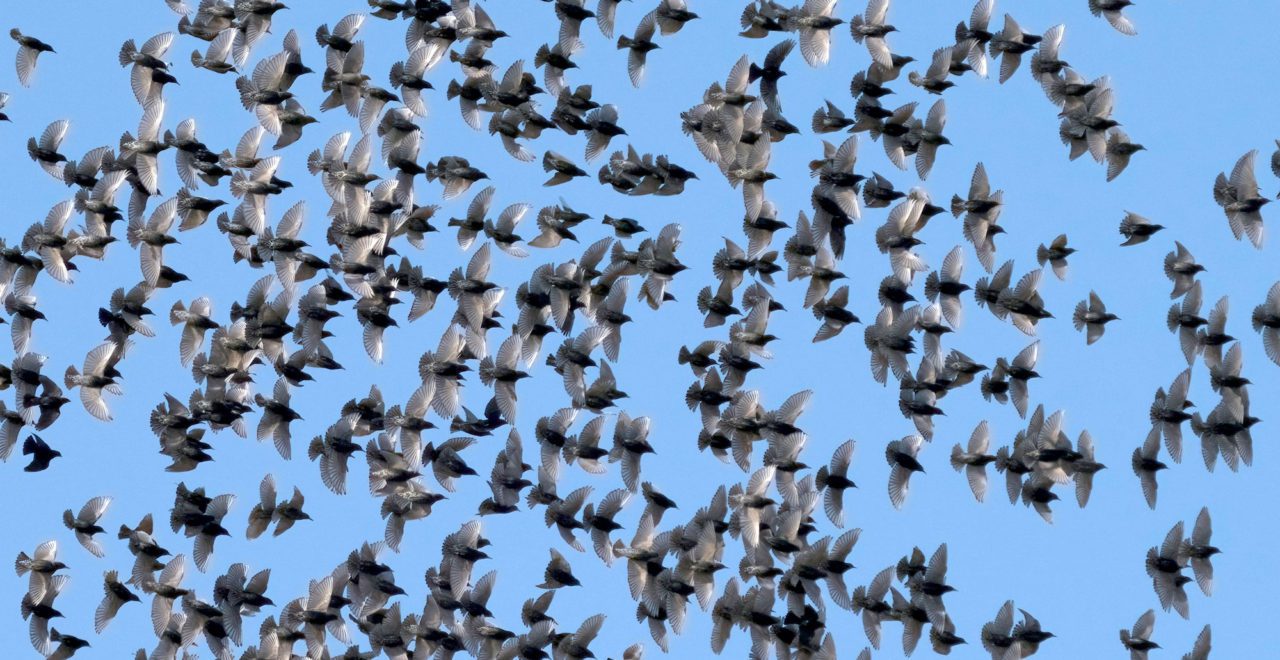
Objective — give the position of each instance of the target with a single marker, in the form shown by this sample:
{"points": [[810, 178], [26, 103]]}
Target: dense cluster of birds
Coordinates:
{"points": [[793, 584]]}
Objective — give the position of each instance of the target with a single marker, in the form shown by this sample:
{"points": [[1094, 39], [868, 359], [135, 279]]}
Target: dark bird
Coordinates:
{"points": [[29, 48], [40, 452]]}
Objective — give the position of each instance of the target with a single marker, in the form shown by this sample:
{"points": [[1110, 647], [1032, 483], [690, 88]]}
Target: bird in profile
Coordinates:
{"points": [[1241, 200], [1113, 11], [1137, 640], [1164, 567], [29, 49], [1092, 317]]}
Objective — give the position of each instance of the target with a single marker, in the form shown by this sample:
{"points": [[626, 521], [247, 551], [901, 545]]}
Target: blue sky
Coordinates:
{"points": [[1082, 576]]}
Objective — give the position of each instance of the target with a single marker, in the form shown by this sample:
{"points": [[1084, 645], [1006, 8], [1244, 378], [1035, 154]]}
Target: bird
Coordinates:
{"points": [[1241, 200], [29, 49], [1092, 316], [901, 455], [1164, 567], [1113, 11], [40, 452], [1199, 552], [85, 523], [1138, 639], [974, 459]]}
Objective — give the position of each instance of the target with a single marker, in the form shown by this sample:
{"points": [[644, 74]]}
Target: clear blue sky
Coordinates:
{"points": [[1082, 576]]}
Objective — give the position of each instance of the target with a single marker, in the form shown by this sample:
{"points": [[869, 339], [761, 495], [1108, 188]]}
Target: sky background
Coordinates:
{"points": [[1082, 576]]}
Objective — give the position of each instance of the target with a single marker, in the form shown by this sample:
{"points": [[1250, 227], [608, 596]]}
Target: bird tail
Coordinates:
{"points": [[819, 122], [127, 50], [1171, 319], [819, 310], [1042, 254], [685, 355], [859, 595], [540, 58], [691, 395], [626, 42], [197, 367], [315, 162], [957, 205], [247, 89], [859, 84], [197, 60], [70, 377], [32, 148], [124, 532], [704, 299], [22, 564], [855, 24], [931, 285], [132, 232], [322, 35], [985, 387], [486, 371], [570, 449], [239, 184], [962, 32], [453, 90], [1078, 316], [820, 480], [69, 519], [956, 453], [1002, 458], [315, 449], [397, 72]]}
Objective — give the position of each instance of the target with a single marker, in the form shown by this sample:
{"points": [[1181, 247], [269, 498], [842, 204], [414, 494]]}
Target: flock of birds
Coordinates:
{"points": [[791, 595]]}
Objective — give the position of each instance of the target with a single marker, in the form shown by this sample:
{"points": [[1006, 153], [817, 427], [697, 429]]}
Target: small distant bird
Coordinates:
{"points": [[45, 150], [1024, 304], [1092, 316], [901, 455], [974, 459], [1055, 254], [1112, 10], [1119, 150], [40, 452], [934, 79], [1137, 229], [1164, 567], [672, 15], [1010, 44], [1180, 267], [562, 169], [1241, 199], [29, 48], [638, 48], [1266, 320], [814, 22], [115, 595], [870, 30], [1146, 464], [558, 573], [1138, 640], [85, 524], [833, 480], [1199, 552]]}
